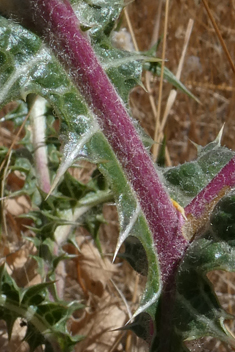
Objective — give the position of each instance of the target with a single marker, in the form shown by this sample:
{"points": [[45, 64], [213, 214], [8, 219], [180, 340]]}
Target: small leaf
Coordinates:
{"points": [[46, 321], [187, 180], [155, 68], [34, 295]]}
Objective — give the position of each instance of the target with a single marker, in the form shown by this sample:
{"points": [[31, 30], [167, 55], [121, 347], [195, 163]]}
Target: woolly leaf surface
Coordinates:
{"points": [[39, 72], [187, 180]]}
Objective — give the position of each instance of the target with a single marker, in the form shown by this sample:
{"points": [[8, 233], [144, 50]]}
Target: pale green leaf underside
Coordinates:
{"points": [[27, 66]]}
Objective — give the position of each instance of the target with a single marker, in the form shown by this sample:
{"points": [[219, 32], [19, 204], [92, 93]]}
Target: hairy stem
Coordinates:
{"points": [[57, 23], [200, 207]]}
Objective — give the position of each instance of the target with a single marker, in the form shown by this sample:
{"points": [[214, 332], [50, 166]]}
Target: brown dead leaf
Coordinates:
{"points": [[15, 181], [83, 171], [16, 343], [98, 324], [17, 206], [93, 270]]}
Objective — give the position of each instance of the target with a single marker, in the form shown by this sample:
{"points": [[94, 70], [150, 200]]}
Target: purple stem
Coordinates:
{"points": [[56, 21], [198, 210]]}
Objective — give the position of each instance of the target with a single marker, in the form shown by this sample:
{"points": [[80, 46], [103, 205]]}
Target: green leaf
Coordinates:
{"points": [[98, 15], [27, 66], [35, 294], [198, 312], [39, 72], [18, 114], [46, 322], [155, 68], [135, 255], [197, 306], [185, 181], [124, 68]]}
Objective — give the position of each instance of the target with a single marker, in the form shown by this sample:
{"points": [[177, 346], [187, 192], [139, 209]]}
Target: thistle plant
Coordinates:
{"points": [[61, 51]]}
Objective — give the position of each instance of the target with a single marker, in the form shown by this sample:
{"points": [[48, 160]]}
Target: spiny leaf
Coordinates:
{"points": [[198, 312], [83, 137], [131, 218], [187, 180], [100, 18], [46, 321], [34, 294]]}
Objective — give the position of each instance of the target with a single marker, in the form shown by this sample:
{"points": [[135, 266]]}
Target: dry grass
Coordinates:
{"points": [[208, 73]]}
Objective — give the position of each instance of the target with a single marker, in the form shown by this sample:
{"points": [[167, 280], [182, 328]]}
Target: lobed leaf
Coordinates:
{"points": [[36, 70], [39, 72], [46, 321]]}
